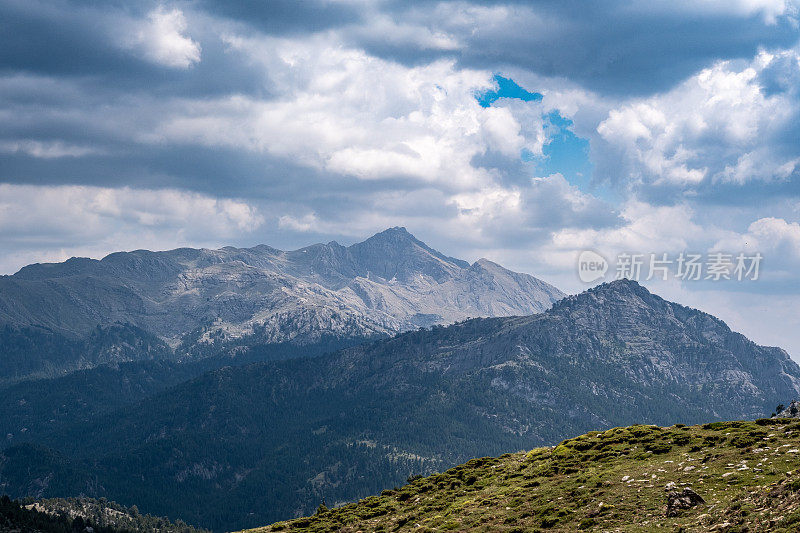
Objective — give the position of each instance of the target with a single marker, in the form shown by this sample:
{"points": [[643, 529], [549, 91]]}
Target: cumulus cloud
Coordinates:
{"points": [[777, 240], [385, 31], [304, 223], [349, 113], [162, 39], [720, 125], [529, 214], [644, 228]]}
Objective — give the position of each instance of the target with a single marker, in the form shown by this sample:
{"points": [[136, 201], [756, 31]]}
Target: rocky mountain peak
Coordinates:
{"points": [[485, 264], [624, 292], [626, 306], [397, 232], [620, 286], [396, 237], [396, 254]]}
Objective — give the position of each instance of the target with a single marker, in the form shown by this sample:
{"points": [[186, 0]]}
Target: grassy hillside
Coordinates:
{"points": [[616, 480]]}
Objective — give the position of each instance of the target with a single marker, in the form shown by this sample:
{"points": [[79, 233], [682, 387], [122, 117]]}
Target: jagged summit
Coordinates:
{"points": [[621, 292], [626, 307], [395, 232], [618, 286], [397, 254], [396, 241], [624, 299]]}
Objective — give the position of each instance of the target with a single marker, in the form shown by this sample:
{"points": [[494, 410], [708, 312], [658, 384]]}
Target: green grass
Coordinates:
{"points": [[613, 480]]}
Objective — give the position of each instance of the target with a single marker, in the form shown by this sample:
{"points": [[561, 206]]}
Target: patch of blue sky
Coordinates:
{"points": [[567, 154], [564, 153], [506, 88]]}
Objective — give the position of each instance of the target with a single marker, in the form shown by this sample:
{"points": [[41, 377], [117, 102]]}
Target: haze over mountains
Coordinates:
{"points": [[196, 301], [271, 440]]}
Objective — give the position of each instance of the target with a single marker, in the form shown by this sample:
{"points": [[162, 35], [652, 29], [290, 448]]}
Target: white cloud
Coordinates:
{"points": [[387, 30], [769, 10], [162, 39], [646, 229], [44, 222], [776, 239], [346, 112], [47, 150], [720, 125], [304, 223]]}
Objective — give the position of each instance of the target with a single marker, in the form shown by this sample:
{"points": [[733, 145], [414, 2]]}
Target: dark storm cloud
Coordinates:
{"points": [[609, 47], [283, 17], [606, 46], [86, 40], [624, 56], [56, 38]]}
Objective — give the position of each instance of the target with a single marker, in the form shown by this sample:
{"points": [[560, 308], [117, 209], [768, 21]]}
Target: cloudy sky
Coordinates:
{"points": [[522, 131]]}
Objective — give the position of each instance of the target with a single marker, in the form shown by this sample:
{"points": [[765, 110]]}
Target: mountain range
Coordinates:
{"points": [[242, 446], [196, 302]]}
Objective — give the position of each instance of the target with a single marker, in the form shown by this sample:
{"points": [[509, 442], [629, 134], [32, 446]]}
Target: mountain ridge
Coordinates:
{"points": [[201, 301]]}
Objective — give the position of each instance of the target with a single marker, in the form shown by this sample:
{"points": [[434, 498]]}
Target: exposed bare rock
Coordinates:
{"points": [[680, 501], [792, 411]]}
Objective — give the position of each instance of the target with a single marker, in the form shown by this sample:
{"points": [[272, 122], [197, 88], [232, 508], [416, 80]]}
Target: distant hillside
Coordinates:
{"points": [[33, 352], [271, 440], [32, 408], [201, 301], [81, 515], [637, 478]]}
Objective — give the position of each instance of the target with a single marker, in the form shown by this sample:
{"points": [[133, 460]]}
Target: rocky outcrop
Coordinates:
{"points": [[792, 411], [680, 501]]}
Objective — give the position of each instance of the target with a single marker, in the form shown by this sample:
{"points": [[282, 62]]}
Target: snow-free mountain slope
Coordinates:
{"points": [[194, 299]]}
